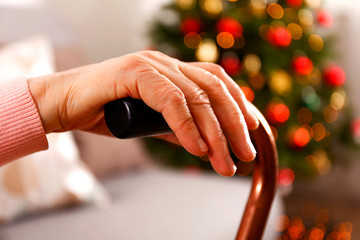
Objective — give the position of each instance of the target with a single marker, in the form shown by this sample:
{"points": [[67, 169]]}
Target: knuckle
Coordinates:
{"points": [[185, 124], [198, 97], [174, 97]]}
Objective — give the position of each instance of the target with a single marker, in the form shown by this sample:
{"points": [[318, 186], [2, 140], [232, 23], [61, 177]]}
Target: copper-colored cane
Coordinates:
{"points": [[264, 182], [127, 118]]}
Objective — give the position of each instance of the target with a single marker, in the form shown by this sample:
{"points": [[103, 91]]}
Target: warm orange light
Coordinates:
{"points": [[316, 234], [319, 131], [282, 222], [296, 229], [322, 216], [275, 11], [301, 137], [225, 40], [295, 31], [192, 40], [330, 114], [249, 93]]}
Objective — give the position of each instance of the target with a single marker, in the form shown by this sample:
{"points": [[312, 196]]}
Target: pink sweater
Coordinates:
{"points": [[21, 131]]}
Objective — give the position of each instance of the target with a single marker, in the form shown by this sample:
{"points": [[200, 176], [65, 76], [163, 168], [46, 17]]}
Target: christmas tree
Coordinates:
{"points": [[276, 53]]}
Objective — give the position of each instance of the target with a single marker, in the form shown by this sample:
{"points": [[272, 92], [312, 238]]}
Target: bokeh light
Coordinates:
{"points": [[277, 112], [296, 228], [192, 40], [225, 40], [257, 81], [304, 116], [313, 3], [239, 42], [258, 7], [316, 234], [295, 31], [302, 136], [282, 223], [212, 7], [252, 63], [306, 18], [286, 177], [322, 216], [248, 92], [275, 11], [319, 131], [316, 42], [186, 4], [280, 82], [330, 114], [338, 99], [207, 51]]}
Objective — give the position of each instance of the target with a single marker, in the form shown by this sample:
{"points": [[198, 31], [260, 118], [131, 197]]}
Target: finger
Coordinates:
{"points": [[169, 138], [234, 90], [226, 109], [170, 101], [202, 113]]}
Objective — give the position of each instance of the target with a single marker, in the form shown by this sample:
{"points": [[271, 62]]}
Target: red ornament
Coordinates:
{"points": [[277, 113], [190, 25], [231, 65], [294, 3], [334, 76], [279, 37], [230, 25], [325, 18], [302, 65]]}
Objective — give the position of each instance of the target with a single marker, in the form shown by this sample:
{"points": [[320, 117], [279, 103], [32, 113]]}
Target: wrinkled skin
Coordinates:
{"points": [[202, 105]]}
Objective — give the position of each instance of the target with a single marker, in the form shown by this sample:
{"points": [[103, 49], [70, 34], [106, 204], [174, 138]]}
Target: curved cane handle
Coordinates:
{"points": [[127, 118], [264, 182]]}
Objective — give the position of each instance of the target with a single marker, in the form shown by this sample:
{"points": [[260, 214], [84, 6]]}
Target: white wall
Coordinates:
{"points": [[107, 28]]}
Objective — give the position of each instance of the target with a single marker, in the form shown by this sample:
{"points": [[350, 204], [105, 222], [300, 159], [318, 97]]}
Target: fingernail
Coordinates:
{"points": [[253, 150], [231, 163], [202, 145]]}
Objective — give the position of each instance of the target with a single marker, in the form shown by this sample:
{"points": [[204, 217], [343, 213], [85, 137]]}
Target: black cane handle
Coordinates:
{"points": [[130, 118]]}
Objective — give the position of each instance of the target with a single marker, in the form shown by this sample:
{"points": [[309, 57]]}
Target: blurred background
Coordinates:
{"points": [[319, 191]]}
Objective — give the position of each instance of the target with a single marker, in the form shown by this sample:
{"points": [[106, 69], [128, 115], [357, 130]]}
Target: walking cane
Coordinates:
{"points": [[128, 118]]}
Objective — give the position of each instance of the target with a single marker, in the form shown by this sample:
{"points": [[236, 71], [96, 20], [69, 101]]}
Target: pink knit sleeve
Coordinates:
{"points": [[21, 131]]}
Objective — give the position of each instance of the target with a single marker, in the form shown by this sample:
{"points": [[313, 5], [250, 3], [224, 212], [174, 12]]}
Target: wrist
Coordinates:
{"points": [[45, 102]]}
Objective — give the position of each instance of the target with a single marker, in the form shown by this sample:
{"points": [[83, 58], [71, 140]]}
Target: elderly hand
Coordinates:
{"points": [[203, 106]]}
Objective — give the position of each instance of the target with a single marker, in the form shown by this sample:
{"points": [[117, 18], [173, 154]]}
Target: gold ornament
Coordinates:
{"points": [[280, 82], [207, 51]]}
